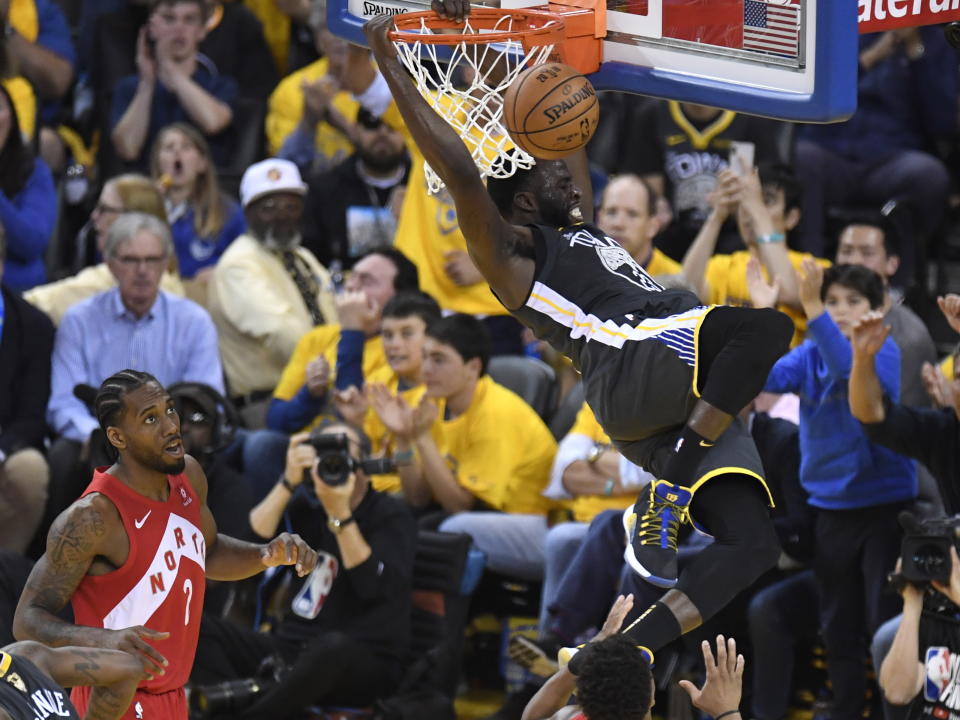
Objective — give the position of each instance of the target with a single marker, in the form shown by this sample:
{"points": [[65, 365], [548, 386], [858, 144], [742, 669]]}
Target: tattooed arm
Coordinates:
{"points": [[113, 674], [81, 534]]}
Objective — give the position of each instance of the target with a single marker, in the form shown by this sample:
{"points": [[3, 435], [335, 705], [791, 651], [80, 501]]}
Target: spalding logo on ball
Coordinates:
{"points": [[550, 110]]}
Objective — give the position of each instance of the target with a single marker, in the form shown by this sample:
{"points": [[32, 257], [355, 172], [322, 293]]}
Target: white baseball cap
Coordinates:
{"points": [[270, 176]]}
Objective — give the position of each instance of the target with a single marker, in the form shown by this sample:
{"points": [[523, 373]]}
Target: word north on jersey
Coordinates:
{"points": [[182, 541]]}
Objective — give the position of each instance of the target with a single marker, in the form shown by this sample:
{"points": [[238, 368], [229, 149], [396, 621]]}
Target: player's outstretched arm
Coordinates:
{"points": [[556, 692], [113, 674], [230, 559], [490, 238]]}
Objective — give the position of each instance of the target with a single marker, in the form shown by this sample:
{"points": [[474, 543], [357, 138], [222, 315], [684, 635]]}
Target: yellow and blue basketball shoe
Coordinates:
{"points": [[651, 526]]}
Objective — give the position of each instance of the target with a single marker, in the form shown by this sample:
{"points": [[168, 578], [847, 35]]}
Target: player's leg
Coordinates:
{"points": [[734, 508], [735, 349]]}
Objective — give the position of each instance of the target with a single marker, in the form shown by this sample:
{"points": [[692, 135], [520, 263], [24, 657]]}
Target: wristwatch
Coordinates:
{"points": [[595, 452], [336, 526]]}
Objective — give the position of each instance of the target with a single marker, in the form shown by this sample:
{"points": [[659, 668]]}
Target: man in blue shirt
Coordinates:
{"points": [[174, 83], [132, 325]]}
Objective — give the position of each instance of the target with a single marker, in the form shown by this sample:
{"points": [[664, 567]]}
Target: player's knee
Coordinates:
{"points": [[777, 331]]}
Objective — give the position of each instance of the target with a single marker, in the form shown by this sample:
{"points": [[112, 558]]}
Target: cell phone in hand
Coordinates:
{"points": [[741, 157]]}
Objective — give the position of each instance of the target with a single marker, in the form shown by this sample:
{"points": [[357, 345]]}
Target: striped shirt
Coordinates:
{"points": [[175, 341]]}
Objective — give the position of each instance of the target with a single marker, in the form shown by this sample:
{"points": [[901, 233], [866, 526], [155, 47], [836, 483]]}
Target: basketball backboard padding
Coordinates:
{"points": [[816, 83]]}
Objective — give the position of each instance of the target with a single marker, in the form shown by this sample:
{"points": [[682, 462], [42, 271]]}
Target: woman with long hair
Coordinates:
{"points": [[124, 193], [28, 203], [204, 221]]}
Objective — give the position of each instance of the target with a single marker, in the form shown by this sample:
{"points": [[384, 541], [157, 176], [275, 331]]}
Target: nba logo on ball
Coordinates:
{"points": [[550, 110]]}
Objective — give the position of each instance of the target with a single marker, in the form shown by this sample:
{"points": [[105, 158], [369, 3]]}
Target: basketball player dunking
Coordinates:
{"points": [[664, 375], [133, 552]]}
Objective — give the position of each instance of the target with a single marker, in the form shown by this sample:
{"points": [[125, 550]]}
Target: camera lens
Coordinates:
{"points": [[930, 559]]}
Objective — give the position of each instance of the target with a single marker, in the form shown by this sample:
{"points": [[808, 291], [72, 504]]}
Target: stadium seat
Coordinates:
{"points": [[247, 143], [562, 420], [531, 379]]}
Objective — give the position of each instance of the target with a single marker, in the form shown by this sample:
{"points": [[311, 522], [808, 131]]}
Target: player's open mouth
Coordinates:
{"points": [[576, 213], [174, 448]]}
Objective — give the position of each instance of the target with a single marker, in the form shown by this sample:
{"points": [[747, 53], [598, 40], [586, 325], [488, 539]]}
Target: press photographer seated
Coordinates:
{"points": [[346, 631], [922, 667]]}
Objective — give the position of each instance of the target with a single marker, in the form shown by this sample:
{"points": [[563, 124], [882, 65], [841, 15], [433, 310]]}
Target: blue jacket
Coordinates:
{"points": [[28, 219], [195, 253], [839, 467]]}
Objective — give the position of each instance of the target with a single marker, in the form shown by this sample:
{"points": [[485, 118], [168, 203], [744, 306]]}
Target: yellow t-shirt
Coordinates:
{"points": [[660, 264], [428, 229], [24, 104], [499, 449], [322, 340], [726, 277], [946, 367], [285, 109], [585, 507], [276, 29]]}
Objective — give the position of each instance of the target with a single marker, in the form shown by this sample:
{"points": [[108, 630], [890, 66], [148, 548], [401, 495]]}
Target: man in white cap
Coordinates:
{"points": [[266, 291]]}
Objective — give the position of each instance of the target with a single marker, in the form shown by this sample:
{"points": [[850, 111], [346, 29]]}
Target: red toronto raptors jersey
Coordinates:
{"points": [[161, 585]]}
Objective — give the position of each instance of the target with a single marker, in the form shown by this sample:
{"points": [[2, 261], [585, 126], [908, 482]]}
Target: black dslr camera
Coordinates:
{"points": [[925, 552], [335, 463]]}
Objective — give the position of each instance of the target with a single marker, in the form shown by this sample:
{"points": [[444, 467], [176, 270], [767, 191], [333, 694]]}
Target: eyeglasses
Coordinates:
{"points": [[102, 208], [151, 262]]}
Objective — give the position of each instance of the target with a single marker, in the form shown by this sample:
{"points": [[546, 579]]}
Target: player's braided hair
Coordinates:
{"points": [[109, 401]]}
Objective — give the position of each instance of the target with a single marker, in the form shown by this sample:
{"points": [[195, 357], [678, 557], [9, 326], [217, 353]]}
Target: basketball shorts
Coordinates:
{"points": [[643, 392], [170, 705]]}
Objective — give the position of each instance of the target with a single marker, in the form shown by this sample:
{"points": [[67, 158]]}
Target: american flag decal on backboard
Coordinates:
{"points": [[772, 26]]}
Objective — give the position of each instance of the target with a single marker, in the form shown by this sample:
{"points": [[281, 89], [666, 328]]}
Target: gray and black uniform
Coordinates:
{"points": [[646, 353]]}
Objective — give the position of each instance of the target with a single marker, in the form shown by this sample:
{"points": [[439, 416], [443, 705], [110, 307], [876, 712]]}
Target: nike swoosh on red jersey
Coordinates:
{"points": [[139, 523]]}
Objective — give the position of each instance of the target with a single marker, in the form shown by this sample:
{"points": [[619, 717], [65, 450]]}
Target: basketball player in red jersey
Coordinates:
{"points": [[133, 552]]}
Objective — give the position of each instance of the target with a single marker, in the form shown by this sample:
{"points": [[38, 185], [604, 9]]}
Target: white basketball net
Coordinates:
{"points": [[459, 88]]}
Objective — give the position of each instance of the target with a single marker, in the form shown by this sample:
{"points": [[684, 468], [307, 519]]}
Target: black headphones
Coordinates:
{"points": [[226, 419]]}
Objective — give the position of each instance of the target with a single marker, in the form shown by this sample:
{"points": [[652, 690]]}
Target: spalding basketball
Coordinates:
{"points": [[550, 110]]}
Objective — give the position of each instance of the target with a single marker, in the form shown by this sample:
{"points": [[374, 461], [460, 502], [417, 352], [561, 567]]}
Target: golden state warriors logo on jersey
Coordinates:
{"points": [[613, 256]]}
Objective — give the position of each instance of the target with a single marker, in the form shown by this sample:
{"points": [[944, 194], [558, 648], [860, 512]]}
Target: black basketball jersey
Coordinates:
{"points": [[27, 693], [587, 288]]}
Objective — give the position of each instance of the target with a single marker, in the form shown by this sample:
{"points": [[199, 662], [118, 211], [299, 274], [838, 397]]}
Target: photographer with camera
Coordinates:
{"points": [[346, 631], [925, 655]]}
